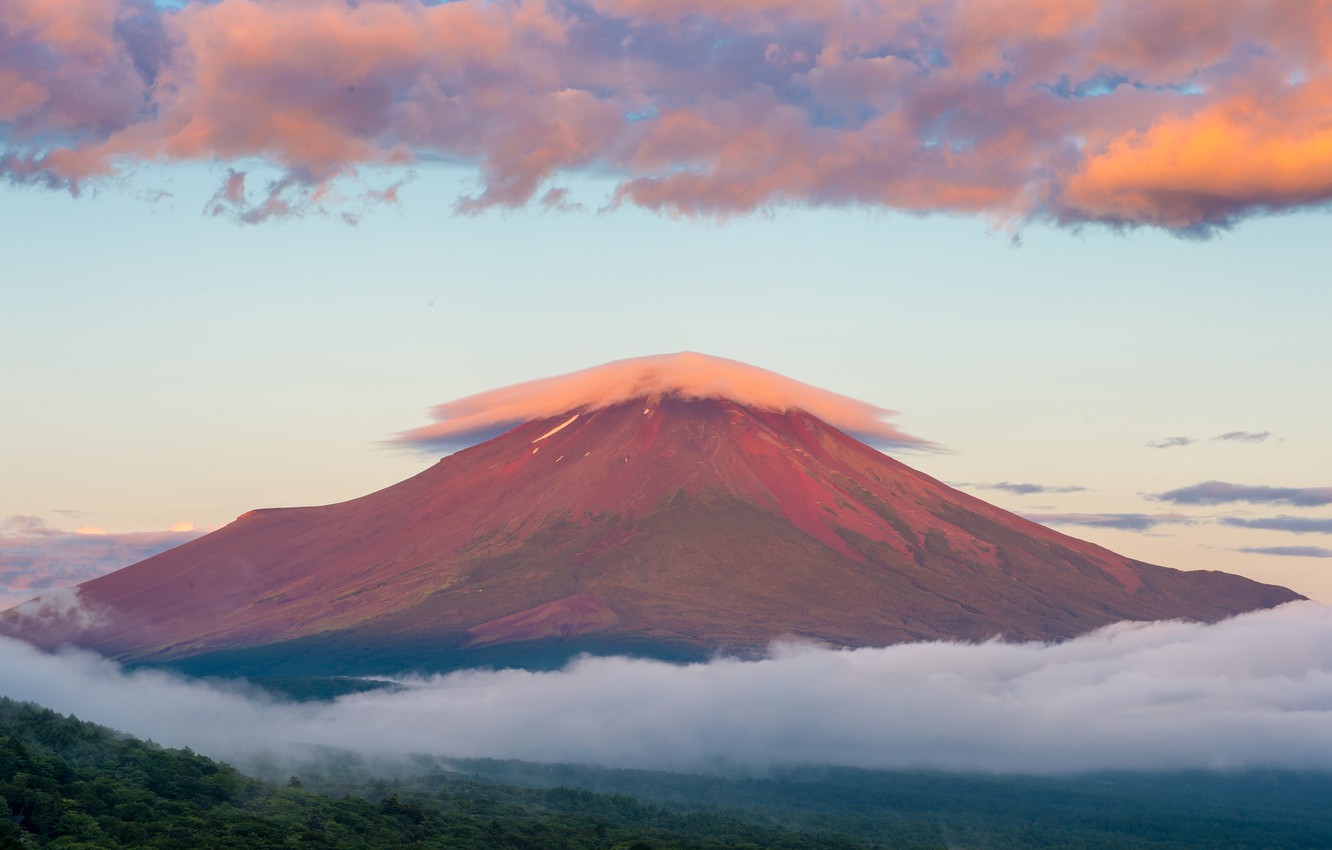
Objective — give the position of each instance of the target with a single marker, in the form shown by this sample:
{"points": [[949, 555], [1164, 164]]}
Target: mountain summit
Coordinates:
{"points": [[664, 525]]}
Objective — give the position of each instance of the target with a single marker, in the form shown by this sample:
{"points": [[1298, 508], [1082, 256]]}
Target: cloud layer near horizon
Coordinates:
{"points": [[36, 558], [466, 421], [1254, 691], [1188, 115]]}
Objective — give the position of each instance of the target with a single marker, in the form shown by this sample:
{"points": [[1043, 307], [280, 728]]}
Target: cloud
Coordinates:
{"points": [[1244, 436], [1293, 524], [1120, 522], [1229, 436], [1254, 691], [36, 558], [1170, 443], [685, 375], [1288, 551], [1221, 492], [1025, 489], [65, 606], [1166, 115]]}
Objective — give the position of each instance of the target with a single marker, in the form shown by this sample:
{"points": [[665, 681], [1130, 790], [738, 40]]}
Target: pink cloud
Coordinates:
{"points": [[36, 558], [685, 375], [1187, 115]]}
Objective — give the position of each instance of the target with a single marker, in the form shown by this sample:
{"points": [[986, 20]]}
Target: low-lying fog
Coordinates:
{"points": [[1254, 691]]}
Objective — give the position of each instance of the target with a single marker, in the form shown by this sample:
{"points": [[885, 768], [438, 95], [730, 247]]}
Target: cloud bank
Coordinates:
{"points": [[1127, 112], [686, 375], [36, 558], [1254, 691]]}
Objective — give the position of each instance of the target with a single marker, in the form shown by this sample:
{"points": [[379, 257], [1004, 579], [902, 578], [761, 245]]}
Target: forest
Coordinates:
{"points": [[70, 784]]}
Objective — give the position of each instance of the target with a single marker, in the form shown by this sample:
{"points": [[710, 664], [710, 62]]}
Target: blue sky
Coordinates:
{"points": [[163, 366]]}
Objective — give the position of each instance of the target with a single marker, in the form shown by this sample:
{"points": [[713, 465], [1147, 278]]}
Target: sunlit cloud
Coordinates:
{"points": [[685, 375], [1254, 691], [1128, 113]]}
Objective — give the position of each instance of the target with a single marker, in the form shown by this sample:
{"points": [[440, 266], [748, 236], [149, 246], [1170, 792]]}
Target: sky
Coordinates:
{"points": [[1080, 247]]}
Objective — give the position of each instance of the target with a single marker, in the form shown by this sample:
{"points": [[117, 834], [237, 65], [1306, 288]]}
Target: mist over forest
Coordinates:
{"points": [[1254, 691]]}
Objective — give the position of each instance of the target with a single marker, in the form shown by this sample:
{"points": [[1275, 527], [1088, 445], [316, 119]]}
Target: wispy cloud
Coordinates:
{"points": [[1254, 691], [1222, 492], [1121, 522], [1170, 443], [1166, 115], [36, 558], [1229, 437], [1244, 436], [1293, 524], [1023, 489], [1288, 551]]}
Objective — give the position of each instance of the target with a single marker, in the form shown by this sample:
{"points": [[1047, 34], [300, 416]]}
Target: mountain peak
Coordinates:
{"points": [[673, 525]]}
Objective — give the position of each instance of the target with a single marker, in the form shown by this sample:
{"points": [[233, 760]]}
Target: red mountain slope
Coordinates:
{"points": [[669, 526]]}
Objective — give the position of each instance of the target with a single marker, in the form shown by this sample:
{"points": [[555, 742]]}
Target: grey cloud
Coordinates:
{"points": [[1288, 551], [1229, 436], [1122, 522], [1170, 442], [1293, 524], [1220, 492], [1254, 691], [1244, 436], [1025, 489]]}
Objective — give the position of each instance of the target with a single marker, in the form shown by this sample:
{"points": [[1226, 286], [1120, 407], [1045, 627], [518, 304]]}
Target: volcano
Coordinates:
{"points": [[664, 525]]}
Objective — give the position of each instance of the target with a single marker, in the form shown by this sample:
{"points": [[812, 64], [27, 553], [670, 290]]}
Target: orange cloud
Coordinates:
{"points": [[1186, 115], [1210, 168], [684, 375]]}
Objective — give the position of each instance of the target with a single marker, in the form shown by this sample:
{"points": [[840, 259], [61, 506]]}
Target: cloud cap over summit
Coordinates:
{"points": [[686, 375]]}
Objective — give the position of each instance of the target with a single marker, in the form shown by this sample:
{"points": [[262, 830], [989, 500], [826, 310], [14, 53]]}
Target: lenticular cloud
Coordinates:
{"points": [[685, 375], [1189, 115], [1253, 691]]}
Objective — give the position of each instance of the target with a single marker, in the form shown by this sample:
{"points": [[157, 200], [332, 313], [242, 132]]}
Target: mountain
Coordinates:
{"points": [[667, 525]]}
